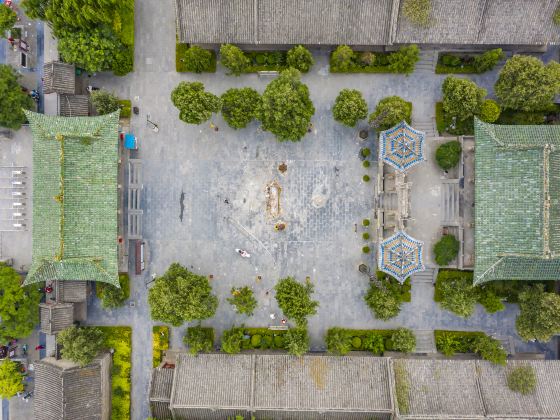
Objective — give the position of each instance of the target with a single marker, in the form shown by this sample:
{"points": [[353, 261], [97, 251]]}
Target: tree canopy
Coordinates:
{"points": [[11, 379], [349, 107], [239, 106], [8, 19], [462, 98], [404, 60], [197, 59], [539, 318], [448, 155], [525, 83], [343, 57], [446, 249], [294, 299], [194, 103], [300, 58], [285, 108], [19, 312], [243, 299], [180, 296], [297, 341], [91, 50], [104, 101], [234, 59], [12, 99], [390, 111], [80, 344]]}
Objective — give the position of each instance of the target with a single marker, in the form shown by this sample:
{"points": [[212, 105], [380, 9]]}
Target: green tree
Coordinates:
{"points": [[488, 60], [194, 103], [80, 345], [19, 311], [197, 59], [234, 59], [462, 98], [91, 50], [522, 379], [404, 60], [231, 340], [342, 58], [297, 341], [239, 106], [390, 111], [199, 339], [539, 318], [104, 101], [338, 341], [446, 249], [8, 19], [490, 349], [285, 109], [349, 107], [294, 299], [489, 111], [417, 11], [384, 304], [180, 296], [243, 299], [35, 9], [111, 296], [448, 154], [12, 99], [458, 295], [527, 84], [403, 340], [300, 58], [11, 380], [81, 14]]}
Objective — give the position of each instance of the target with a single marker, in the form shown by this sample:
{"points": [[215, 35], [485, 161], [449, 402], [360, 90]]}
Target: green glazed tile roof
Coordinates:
{"points": [[74, 198], [517, 196]]}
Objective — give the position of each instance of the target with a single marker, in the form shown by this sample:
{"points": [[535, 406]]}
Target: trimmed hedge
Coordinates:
{"points": [[260, 338], [340, 341], [180, 65], [160, 342], [468, 63], [451, 342], [381, 62]]}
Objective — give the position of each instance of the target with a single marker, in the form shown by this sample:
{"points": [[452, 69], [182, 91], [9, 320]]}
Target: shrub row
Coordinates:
{"points": [[194, 59], [469, 63], [345, 60], [451, 342], [237, 339], [341, 341]]}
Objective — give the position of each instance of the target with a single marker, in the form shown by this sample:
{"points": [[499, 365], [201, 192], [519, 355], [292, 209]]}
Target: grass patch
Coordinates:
{"points": [[120, 339], [126, 108], [160, 342], [402, 386], [180, 50]]}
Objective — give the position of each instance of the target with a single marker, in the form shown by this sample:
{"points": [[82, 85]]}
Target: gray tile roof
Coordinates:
{"points": [[59, 77], [73, 105], [500, 401], [442, 389], [56, 317], [71, 291], [64, 391], [364, 22], [160, 392]]}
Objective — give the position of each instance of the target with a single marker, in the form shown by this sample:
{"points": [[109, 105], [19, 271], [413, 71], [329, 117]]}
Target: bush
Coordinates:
{"points": [[366, 164], [297, 341], [243, 299], [448, 154], [197, 60], [357, 343], [454, 292], [104, 101], [199, 339], [342, 58], [489, 111], [403, 340], [539, 316], [126, 108], [365, 236], [446, 249], [390, 111], [365, 222], [366, 250], [349, 107], [294, 299], [300, 58], [384, 304], [365, 152], [160, 343], [256, 340], [522, 379], [194, 103], [450, 60], [338, 341], [404, 60], [451, 342], [231, 340], [417, 11], [490, 301], [462, 98], [488, 60], [80, 345], [234, 59], [366, 178], [239, 106], [490, 349], [374, 343], [11, 379], [367, 58], [111, 296]]}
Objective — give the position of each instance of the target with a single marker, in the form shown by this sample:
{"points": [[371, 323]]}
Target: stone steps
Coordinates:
{"points": [[426, 276], [427, 126], [427, 62], [425, 341]]}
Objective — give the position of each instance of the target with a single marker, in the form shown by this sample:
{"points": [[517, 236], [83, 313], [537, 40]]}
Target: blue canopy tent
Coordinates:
{"points": [[401, 146], [400, 256]]}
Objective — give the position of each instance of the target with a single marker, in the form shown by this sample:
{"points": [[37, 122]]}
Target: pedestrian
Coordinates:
{"points": [[39, 347], [272, 316], [284, 320], [226, 201]]}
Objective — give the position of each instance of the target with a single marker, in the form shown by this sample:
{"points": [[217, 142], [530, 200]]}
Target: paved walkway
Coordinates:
{"points": [[322, 241]]}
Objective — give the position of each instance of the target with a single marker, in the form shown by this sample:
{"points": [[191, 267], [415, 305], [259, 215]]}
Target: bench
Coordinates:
{"points": [[267, 73], [278, 327]]}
